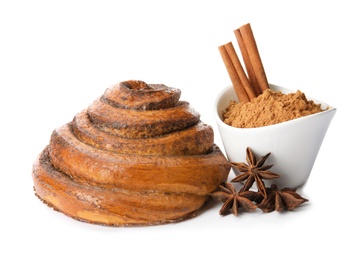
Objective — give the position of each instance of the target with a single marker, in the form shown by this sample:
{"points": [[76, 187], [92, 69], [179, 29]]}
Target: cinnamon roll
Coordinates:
{"points": [[136, 156]]}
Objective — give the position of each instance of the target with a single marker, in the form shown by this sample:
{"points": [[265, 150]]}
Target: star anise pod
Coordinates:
{"points": [[281, 200], [254, 171], [234, 200]]}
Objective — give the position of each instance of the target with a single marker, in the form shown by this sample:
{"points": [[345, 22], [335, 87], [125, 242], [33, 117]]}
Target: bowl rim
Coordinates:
{"points": [[330, 109]]}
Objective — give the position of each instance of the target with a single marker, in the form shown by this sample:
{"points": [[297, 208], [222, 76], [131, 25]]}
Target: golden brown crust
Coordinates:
{"points": [[109, 206], [199, 174], [193, 140], [136, 94], [132, 123]]}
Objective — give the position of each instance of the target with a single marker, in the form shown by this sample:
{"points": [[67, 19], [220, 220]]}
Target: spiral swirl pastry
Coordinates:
{"points": [[136, 156]]}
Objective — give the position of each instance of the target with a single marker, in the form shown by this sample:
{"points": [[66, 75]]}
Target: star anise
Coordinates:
{"points": [[234, 200], [254, 171], [280, 200]]}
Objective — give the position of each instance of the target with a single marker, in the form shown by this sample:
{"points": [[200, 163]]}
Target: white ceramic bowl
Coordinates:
{"points": [[294, 144]]}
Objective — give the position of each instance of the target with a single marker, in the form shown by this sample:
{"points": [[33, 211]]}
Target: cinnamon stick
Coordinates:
{"points": [[239, 69], [247, 63], [254, 56], [237, 85]]}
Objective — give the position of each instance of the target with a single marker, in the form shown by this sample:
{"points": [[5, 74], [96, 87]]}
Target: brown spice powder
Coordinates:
{"points": [[269, 108]]}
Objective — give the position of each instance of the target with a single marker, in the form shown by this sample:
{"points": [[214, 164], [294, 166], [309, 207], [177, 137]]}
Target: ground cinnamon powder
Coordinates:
{"points": [[269, 108]]}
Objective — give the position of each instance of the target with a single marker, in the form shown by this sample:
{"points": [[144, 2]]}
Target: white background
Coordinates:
{"points": [[56, 57]]}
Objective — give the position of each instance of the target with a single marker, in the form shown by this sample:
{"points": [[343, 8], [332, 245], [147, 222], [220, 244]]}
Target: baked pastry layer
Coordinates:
{"points": [[109, 206], [136, 156]]}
